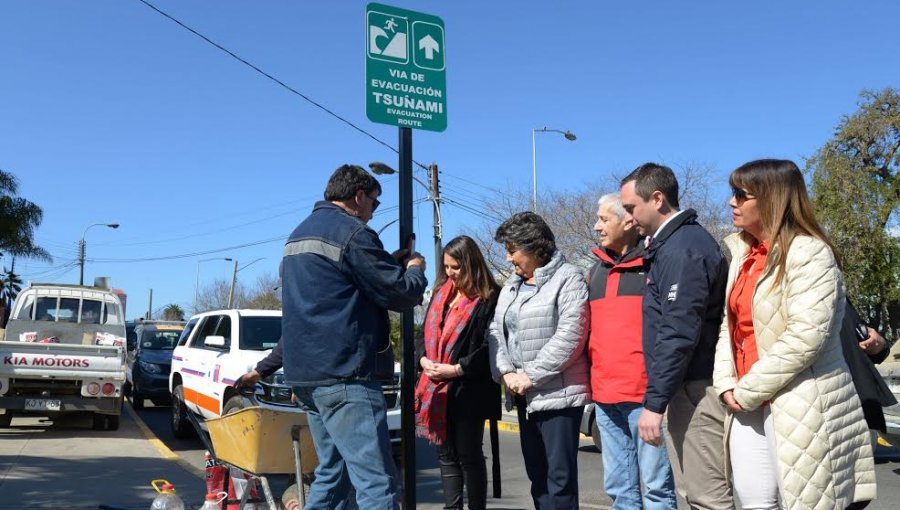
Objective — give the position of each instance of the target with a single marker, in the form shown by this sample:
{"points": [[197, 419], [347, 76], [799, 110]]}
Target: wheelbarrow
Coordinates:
{"points": [[253, 440]]}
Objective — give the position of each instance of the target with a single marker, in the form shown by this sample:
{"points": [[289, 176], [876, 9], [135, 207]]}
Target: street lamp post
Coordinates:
{"points": [[81, 247], [569, 136], [234, 278], [197, 284]]}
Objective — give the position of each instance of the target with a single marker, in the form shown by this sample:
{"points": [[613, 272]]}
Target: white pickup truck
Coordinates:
{"points": [[64, 352]]}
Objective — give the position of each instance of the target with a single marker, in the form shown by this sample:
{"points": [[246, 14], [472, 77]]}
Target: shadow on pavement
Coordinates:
{"points": [[46, 482]]}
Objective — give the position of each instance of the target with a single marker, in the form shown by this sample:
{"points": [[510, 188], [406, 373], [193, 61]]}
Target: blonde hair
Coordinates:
{"points": [[784, 206]]}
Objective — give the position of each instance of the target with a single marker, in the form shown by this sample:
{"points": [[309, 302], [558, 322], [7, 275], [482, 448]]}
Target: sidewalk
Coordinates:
{"points": [[68, 465]]}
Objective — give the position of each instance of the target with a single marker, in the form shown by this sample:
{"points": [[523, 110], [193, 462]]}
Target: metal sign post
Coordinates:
{"points": [[406, 86], [408, 366]]}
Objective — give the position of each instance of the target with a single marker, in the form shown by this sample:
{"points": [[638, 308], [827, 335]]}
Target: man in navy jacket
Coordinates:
{"points": [[682, 311], [338, 285]]}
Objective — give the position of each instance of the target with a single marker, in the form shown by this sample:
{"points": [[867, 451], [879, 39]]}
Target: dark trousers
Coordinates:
{"points": [[462, 464], [550, 448]]}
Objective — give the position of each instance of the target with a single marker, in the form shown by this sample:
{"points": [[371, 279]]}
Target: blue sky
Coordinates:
{"points": [[112, 113]]}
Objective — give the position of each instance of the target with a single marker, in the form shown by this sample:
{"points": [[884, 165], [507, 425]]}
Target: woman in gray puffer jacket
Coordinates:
{"points": [[537, 350]]}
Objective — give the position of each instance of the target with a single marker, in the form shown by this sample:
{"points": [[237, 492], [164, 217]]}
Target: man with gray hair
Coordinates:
{"points": [[616, 285]]}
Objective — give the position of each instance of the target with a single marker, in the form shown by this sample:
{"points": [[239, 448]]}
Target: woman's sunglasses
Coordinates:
{"points": [[741, 195]]}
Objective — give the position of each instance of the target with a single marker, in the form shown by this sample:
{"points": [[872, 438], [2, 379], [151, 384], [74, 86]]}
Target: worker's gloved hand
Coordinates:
{"points": [[248, 380], [291, 498]]}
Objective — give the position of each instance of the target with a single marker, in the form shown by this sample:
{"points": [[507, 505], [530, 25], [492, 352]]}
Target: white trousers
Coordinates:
{"points": [[753, 464]]}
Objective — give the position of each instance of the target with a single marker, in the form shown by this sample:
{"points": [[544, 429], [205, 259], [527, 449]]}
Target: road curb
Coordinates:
{"points": [[161, 447], [507, 426]]}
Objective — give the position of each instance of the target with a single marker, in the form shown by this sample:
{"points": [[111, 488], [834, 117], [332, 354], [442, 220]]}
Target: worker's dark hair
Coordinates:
{"points": [[347, 180]]}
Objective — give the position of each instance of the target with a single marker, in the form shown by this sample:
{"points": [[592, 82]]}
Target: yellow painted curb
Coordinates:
{"points": [[505, 426], [161, 447], [514, 427]]}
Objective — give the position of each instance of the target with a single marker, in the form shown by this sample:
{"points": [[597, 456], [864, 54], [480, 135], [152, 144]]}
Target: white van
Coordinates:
{"points": [[216, 348]]}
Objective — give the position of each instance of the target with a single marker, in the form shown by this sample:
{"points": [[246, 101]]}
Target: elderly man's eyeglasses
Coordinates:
{"points": [[741, 195]]}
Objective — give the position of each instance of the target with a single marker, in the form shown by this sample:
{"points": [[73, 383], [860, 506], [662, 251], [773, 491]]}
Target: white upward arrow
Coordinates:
{"points": [[428, 44]]}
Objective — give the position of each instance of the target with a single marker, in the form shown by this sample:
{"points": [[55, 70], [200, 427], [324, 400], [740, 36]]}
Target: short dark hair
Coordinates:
{"points": [[651, 177], [528, 232], [347, 180]]}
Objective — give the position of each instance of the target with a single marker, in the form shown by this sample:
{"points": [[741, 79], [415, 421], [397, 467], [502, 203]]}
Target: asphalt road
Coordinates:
{"points": [[428, 491], [514, 480], [43, 465]]}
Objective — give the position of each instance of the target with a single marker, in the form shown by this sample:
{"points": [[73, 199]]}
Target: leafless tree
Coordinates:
{"points": [[571, 214], [215, 296], [263, 295]]}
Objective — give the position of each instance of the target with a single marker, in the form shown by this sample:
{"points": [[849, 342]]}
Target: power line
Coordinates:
{"points": [[473, 183], [468, 193], [51, 273], [472, 210], [193, 236], [276, 80], [215, 250], [189, 255], [478, 204]]}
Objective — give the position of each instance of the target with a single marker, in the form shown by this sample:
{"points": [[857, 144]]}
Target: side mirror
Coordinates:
{"points": [[214, 341]]}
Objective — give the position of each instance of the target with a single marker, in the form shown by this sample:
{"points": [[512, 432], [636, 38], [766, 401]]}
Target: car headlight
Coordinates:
{"points": [[150, 368]]}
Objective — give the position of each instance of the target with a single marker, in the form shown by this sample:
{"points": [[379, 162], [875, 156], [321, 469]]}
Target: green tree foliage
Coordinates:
{"points": [[418, 332], [173, 312], [18, 219], [10, 285], [856, 195]]}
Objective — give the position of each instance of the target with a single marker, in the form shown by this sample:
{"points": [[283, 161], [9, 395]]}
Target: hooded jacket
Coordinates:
{"points": [[616, 291]]}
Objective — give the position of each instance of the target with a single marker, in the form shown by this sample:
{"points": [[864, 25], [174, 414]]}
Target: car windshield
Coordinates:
{"points": [[260, 333], [160, 340]]}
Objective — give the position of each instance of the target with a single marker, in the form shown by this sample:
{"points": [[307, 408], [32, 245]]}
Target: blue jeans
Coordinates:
{"points": [[348, 423], [627, 460]]}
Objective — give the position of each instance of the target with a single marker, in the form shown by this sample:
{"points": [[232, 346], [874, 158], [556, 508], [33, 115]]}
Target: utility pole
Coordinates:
{"points": [[81, 260], [150, 306], [438, 226], [233, 282]]}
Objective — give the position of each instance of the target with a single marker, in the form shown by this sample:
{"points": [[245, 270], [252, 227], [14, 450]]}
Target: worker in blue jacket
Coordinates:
{"points": [[338, 285]]}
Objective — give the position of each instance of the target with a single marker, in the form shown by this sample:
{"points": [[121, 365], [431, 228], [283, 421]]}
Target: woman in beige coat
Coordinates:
{"points": [[795, 434]]}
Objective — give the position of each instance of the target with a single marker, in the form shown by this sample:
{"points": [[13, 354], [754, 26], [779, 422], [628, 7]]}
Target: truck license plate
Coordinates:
{"points": [[34, 404]]}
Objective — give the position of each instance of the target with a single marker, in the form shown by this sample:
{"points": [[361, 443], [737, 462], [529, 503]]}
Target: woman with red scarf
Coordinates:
{"points": [[455, 393]]}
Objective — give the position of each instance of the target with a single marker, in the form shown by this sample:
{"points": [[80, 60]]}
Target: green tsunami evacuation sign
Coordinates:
{"points": [[406, 74]]}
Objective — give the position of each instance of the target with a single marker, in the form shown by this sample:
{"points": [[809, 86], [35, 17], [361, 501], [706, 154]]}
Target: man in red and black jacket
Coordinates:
{"points": [[618, 376]]}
